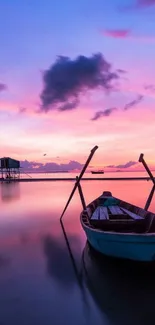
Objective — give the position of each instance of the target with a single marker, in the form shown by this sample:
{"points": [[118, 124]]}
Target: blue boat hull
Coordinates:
{"points": [[137, 247]]}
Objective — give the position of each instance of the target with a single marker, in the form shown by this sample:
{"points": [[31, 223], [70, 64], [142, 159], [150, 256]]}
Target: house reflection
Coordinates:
{"points": [[10, 191]]}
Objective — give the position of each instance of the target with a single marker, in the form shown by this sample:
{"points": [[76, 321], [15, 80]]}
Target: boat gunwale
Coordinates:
{"points": [[98, 230]]}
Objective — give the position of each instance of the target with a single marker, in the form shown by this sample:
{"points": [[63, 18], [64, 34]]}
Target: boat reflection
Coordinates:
{"points": [[123, 290]]}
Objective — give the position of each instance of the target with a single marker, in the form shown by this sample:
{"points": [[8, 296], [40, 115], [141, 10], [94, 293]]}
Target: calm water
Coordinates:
{"points": [[38, 283]]}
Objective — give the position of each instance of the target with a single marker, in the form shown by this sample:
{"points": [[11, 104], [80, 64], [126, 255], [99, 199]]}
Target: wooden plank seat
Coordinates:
{"points": [[115, 218], [115, 209], [133, 215]]}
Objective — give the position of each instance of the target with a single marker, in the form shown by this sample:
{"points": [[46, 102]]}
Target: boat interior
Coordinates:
{"points": [[108, 213]]}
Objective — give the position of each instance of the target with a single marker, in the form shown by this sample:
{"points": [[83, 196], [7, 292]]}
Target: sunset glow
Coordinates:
{"points": [[121, 121]]}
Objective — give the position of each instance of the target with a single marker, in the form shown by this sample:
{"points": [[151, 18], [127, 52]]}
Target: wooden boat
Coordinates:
{"points": [[119, 229]]}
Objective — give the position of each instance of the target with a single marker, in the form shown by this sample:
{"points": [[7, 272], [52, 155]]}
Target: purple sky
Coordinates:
{"points": [[33, 34]]}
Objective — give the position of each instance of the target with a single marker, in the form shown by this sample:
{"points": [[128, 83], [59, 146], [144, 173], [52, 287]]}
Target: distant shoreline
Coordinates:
{"points": [[74, 179], [87, 172]]}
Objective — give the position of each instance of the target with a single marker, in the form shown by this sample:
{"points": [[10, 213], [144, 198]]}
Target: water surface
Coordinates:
{"points": [[38, 283]]}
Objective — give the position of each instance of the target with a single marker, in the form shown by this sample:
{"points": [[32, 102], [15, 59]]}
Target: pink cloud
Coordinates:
{"points": [[117, 33], [127, 34]]}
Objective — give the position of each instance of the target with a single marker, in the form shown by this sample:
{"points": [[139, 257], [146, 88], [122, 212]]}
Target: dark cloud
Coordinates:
{"points": [[133, 102], [150, 87], [145, 3], [127, 165], [117, 33], [3, 87], [106, 112], [50, 167], [138, 4], [22, 110], [121, 71], [69, 106], [28, 165], [67, 79]]}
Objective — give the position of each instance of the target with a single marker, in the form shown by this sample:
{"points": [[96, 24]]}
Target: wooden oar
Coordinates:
{"points": [[81, 195], [148, 202], [79, 178], [141, 159]]}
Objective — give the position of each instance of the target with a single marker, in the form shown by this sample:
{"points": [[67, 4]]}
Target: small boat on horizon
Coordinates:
{"points": [[97, 171]]}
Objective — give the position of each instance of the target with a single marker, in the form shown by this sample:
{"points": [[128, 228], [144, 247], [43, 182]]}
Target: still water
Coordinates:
{"points": [[38, 283]]}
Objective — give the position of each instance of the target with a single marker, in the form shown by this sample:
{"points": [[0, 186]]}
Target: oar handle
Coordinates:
{"points": [[94, 149], [79, 178], [141, 159], [87, 163]]}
